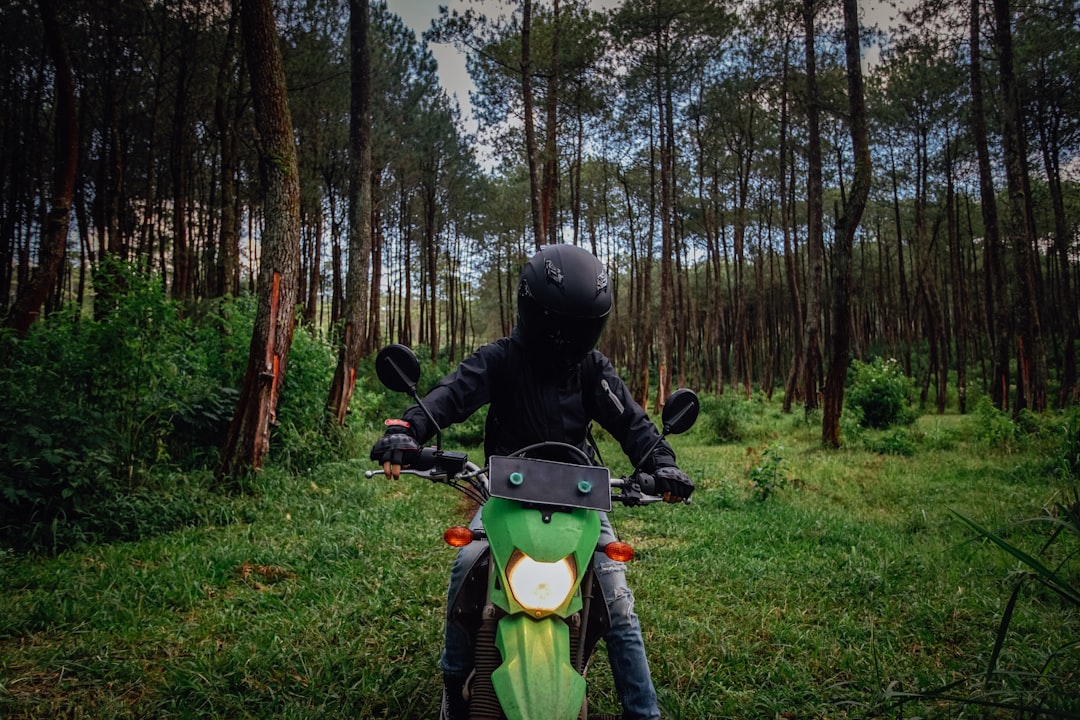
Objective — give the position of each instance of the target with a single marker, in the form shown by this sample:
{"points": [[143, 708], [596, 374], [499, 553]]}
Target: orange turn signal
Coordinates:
{"points": [[619, 551], [458, 536]]}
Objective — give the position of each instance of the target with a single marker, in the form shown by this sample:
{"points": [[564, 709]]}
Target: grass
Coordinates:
{"points": [[854, 581]]}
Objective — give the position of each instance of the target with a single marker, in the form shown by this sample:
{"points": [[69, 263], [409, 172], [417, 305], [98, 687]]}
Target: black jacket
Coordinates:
{"points": [[529, 403]]}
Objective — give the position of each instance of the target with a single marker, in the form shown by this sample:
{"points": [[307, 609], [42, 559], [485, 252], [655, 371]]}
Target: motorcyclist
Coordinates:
{"points": [[547, 382]]}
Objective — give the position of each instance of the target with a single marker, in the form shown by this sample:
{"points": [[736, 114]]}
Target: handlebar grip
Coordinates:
{"points": [[425, 459], [647, 483]]}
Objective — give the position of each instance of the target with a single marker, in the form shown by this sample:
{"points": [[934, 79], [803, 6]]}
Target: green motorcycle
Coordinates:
{"points": [[531, 602]]}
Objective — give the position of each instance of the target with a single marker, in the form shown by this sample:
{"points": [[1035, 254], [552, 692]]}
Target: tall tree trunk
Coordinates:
{"points": [[959, 281], [535, 200], [356, 281], [996, 292], [431, 268], [846, 225], [667, 283], [226, 273], [1032, 372], [314, 276], [248, 438], [787, 213], [815, 242], [179, 155], [905, 314], [1048, 123], [375, 330], [43, 278], [549, 191]]}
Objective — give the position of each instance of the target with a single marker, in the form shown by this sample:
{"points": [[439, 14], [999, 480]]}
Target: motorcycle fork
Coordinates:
{"points": [[483, 704]]}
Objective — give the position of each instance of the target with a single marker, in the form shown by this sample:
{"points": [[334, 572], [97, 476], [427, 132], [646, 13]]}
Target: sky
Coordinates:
{"points": [[418, 14]]}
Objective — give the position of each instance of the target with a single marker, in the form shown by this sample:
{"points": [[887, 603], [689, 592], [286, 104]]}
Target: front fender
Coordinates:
{"points": [[536, 680]]}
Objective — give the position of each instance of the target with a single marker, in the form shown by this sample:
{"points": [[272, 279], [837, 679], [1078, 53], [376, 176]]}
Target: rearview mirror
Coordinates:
{"points": [[680, 411], [397, 368]]}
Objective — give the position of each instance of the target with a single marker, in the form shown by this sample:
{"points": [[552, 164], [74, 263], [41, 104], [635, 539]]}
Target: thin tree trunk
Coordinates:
{"points": [[551, 148], [539, 229], [815, 240], [1049, 125], [996, 289], [179, 155], [1032, 372], [790, 269], [959, 282], [667, 282], [226, 268], [846, 225], [43, 278], [356, 281]]}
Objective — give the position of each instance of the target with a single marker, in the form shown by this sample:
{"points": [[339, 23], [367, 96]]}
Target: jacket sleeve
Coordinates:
{"points": [[620, 414], [457, 395]]}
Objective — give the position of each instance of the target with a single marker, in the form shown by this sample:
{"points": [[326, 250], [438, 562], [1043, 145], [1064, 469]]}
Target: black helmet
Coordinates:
{"points": [[564, 300]]}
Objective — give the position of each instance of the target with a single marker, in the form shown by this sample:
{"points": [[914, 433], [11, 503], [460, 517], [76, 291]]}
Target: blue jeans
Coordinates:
{"points": [[625, 646]]}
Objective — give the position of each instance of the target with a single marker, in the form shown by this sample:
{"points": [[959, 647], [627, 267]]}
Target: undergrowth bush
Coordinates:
{"points": [[768, 476], [881, 393], [994, 427], [101, 412], [723, 417]]}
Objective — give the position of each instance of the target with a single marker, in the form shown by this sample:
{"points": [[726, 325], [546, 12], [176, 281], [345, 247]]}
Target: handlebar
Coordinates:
{"points": [[454, 469]]}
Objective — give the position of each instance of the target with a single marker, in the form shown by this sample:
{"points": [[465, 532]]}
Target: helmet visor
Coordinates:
{"points": [[559, 338]]}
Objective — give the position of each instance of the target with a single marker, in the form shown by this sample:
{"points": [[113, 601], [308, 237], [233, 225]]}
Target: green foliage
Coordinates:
{"points": [[91, 403], [767, 477], [301, 439], [1069, 452], [895, 441], [723, 418], [994, 427], [1047, 686], [99, 411], [880, 393]]}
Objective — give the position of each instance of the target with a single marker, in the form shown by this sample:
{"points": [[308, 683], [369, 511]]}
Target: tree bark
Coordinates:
{"points": [[536, 202], [248, 438], [43, 278], [549, 191], [815, 242], [226, 270], [356, 282], [996, 290], [846, 225], [787, 205], [1032, 371]]}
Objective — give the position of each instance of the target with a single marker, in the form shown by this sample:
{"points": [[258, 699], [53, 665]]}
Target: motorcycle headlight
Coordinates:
{"points": [[540, 587]]}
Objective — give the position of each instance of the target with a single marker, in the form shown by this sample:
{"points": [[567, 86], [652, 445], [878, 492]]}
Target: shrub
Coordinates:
{"points": [[768, 476], [98, 411], [881, 392], [91, 405], [723, 417], [994, 427], [300, 440]]}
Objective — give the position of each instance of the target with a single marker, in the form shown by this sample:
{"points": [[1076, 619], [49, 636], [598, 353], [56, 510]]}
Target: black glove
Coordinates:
{"points": [[396, 447], [673, 484]]}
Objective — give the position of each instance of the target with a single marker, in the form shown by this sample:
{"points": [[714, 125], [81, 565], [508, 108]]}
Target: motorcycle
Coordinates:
{"points": [[531, 600]]}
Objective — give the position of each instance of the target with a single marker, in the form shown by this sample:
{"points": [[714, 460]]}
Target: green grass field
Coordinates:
{"points": [[854, 581]]}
